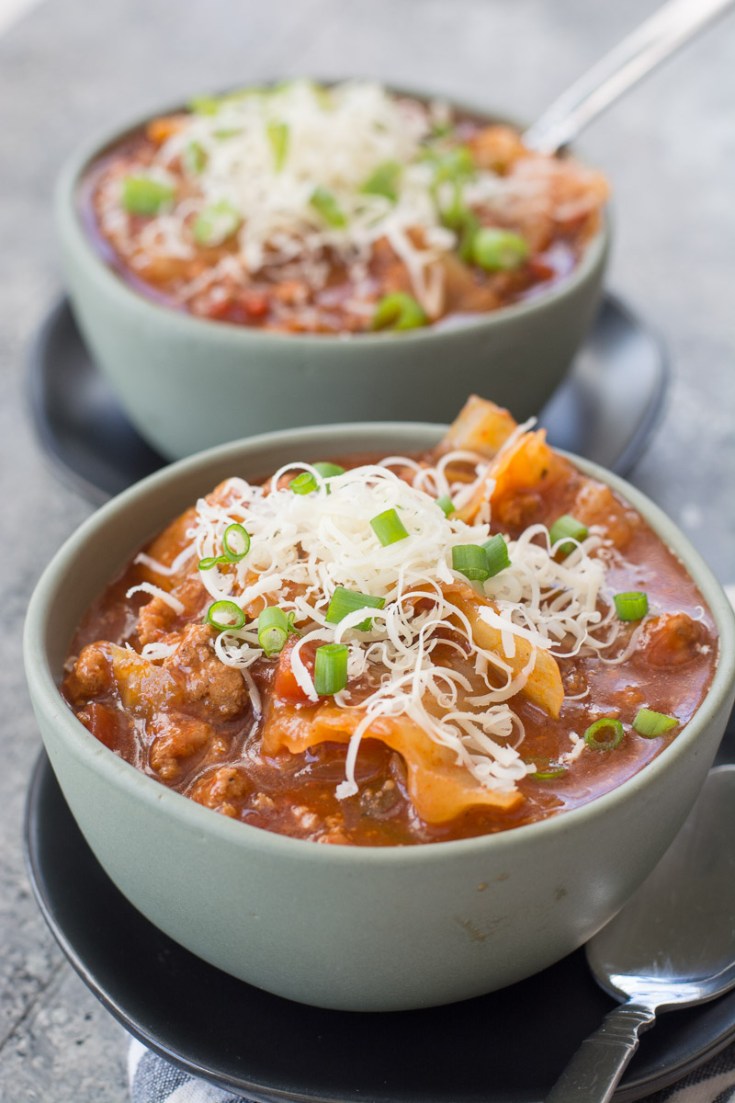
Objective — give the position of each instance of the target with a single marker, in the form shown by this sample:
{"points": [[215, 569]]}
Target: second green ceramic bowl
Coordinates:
{"points": [[188, 383]]}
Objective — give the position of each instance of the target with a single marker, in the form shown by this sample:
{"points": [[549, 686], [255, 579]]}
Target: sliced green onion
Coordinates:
{"points": [[471, 561], [388, 527], [651, 724], [194, 158], [278, 136], [384, 181], [467, 231], [240, 94], [330, 668], [204, 105], [328, 470], [496, 551], [632, 605], [216, 223], [398, 311], [303, 483], [605, 734], [457, 214], [441, 128], [346, 601], [453, 165], [211, 561], [225, 616], [550, 774], [327, 206], [446, 505], [142, 195], [498, 250], [226, 132], [235, 543], [274, 628], [568, 528], [323, 96], [459, 217]]}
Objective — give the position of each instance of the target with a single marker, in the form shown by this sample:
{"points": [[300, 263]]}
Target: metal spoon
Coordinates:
{"points": [[640, 52], [672, 945]]}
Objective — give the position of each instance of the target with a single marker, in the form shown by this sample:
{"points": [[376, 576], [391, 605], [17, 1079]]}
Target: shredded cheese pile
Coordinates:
{"points": [[302, 546], [332, 140]]}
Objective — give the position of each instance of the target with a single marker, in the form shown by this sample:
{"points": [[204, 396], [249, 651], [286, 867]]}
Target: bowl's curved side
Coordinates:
{"points": [[188, 383], [372, 929]]}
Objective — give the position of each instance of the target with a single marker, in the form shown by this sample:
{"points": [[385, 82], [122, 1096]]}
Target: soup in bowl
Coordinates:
{"points": [[319, 240], [380, 719]]}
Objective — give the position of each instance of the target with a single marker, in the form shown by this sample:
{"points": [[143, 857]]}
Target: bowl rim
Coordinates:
{"points": [[47, 699], [70, 228]]}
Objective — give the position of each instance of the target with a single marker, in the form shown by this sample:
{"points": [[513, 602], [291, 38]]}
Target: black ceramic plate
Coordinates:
{"points": [[605, 410], [508, 1047]]}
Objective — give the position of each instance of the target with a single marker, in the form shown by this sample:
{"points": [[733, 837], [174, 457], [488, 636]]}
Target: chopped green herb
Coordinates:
{"points": [[651, 724], [496, 551], [498, 250], [549, 774], [567, 528], [330, 668], [632, 605], [278, 136], [327, 206], [471, 561], [345, 601], [384, 181], [304, 483], [328, 470], [225, 616], [194, 158], [210, 561], [388, 527], [605, 734], [235, 543], [142, 195], [205, 105], [216, 223], [399, 311], [274, 628], [451, 165]]}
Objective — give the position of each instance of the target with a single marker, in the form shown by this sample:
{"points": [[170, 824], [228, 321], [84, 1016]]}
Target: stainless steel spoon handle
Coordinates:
{"points": [[595, 1070], [653, 41]]}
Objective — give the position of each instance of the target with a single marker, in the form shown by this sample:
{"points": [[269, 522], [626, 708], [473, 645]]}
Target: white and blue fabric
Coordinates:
{"points": [[154, 1080]]}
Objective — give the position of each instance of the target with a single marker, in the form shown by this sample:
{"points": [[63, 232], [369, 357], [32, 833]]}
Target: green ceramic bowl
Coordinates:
{"points": [[343, 927], [188, 383]]}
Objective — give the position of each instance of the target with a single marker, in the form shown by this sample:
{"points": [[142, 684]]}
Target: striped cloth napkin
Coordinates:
{"points": [[154, 1080]]}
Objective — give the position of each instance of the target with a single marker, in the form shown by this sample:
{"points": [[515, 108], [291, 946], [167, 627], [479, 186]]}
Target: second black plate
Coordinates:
{"points": [[605, 410], [508, 1047]]}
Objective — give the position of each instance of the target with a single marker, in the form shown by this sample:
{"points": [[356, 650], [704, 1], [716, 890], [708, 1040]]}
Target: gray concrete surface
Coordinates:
{"points": [[70, 67]]}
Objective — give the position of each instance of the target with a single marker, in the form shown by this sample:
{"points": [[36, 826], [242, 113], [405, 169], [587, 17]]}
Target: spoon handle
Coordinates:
{"points": [[595, 1069], [640, 52]]}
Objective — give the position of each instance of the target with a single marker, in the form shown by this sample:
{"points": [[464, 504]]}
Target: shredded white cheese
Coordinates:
{"points": [[260, 156], [302, 546], [156, 591]]}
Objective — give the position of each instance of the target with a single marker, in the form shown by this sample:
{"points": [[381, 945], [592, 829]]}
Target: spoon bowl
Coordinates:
{"points": [[672, 945]]}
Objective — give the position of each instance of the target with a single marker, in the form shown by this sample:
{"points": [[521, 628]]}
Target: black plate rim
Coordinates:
{"points": [[655, 410], [632, 1089], [42, 341], [75, 959]]}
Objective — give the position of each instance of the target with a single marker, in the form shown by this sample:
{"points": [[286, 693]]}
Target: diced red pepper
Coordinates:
{"points": [[255, 304]]}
